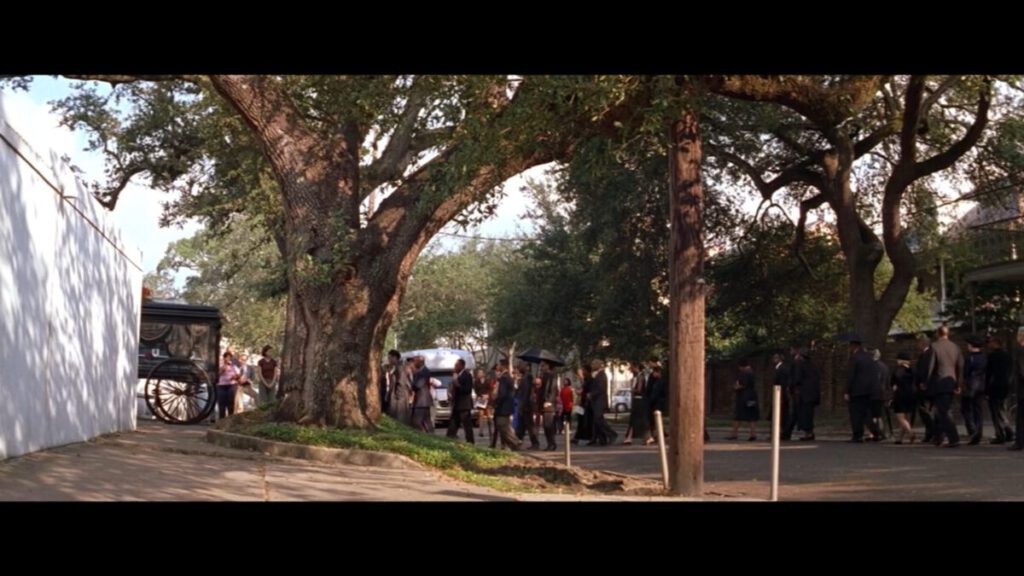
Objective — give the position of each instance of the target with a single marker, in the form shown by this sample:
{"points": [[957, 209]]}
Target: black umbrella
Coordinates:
{"points": [[538, 355]]}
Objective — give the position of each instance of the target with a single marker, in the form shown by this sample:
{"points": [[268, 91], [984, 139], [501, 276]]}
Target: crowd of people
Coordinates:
{"points": [[514, 405], [925, 387], [237, 378]]}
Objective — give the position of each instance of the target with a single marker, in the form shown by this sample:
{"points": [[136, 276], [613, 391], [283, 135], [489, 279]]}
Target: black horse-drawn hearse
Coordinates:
{"points": [[179, 348]]}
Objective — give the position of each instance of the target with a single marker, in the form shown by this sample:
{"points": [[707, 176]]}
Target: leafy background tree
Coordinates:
{"points": [[446, 302], [594, 278], [237, 269]]}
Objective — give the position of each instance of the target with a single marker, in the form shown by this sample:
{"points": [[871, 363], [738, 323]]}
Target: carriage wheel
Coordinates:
{"points": [[185, 398], [150, 396]]}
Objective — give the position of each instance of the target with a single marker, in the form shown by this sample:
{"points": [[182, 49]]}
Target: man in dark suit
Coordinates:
{"points": [[877, 398], [809, 393], [924, 397], [997, 385], [863, 376], [781, 379], [462, 402], [945, 372], [974, 395], [527, 403], [795, 378], [504, 403]]}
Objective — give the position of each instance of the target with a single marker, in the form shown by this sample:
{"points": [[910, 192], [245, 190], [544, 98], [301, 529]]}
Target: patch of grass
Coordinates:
{"points": [[495, 469], [498, 470], [390, 436]]}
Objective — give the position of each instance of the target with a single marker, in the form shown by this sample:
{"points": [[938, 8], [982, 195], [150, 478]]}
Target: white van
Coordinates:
{"points": [[441, 363]]}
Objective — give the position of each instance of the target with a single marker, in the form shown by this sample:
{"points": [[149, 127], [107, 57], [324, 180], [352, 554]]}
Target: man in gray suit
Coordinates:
{"points": [[422, 398], [945, 371]]}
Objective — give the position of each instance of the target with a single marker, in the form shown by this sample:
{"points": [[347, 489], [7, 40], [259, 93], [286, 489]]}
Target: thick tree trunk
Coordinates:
{"points": [[338, 321], [873, 314], [292, 365], [863, 304], [686, 351], [336, 355]]}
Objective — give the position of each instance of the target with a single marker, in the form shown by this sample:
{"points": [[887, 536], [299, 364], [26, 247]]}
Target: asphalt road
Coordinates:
{"points": [[829, 469]]}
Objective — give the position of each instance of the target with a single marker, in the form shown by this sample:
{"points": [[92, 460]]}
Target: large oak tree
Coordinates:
{"points": [[352, 175]]}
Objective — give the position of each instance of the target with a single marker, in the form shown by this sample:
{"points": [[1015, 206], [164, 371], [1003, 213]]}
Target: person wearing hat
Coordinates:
{"points": [[945, 375], [862, 378], [904, 398]]}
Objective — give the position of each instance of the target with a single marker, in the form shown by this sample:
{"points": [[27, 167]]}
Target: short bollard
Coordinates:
{"points": [[661, 447], [773, 492], [566, 429]]}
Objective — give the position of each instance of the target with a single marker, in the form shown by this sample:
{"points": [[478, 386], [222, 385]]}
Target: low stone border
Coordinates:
{"points": [[316, 453]]}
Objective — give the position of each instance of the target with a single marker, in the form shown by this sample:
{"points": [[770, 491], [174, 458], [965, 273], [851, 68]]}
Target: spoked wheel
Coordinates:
{"points": [[151, 396], [179, 392]]}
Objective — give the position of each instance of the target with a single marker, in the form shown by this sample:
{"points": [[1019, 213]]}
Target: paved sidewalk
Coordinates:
{"points": [[160, 462]]}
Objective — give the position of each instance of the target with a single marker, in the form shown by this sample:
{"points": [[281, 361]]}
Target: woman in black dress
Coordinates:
{"points": [[639, 426], [904, 398], [746, 402]]}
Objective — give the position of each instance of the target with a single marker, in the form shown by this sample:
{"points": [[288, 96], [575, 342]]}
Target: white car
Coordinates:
{"points": [[622, 400]]}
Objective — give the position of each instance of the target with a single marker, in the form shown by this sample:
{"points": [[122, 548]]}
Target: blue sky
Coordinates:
{"points": [[138, 210]]}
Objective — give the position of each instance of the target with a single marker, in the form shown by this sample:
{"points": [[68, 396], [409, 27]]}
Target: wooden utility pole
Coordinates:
{"points": [[686, 316]]}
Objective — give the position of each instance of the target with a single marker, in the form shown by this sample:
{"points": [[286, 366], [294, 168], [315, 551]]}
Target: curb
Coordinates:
{"points": [[315, 453]]}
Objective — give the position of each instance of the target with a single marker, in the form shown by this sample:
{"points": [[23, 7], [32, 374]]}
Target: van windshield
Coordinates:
{"points": [[446, 380]]}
